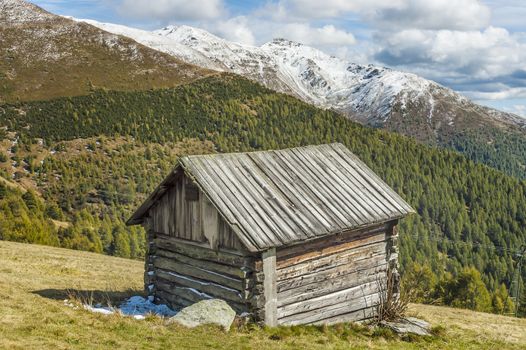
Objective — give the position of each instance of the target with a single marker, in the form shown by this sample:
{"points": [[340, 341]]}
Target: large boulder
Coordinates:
{"points": [[409, 325], [213, 311]]}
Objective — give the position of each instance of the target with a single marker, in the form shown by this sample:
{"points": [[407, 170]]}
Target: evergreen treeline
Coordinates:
{"points": [[470, 217], [506, 151]]}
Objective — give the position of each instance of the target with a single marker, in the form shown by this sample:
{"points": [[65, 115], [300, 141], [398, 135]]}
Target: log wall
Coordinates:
{"points": [[180, 273], [334, 279]]}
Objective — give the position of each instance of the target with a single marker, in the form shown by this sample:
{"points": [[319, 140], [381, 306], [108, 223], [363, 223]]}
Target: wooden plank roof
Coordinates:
{"points": [[283, 197]]}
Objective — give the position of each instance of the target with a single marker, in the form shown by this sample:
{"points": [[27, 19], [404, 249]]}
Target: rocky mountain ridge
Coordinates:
{"points": [[43, 56], [373, 95]]}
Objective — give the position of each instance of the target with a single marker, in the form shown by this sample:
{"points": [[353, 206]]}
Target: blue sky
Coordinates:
{"points": [[477, 47]]}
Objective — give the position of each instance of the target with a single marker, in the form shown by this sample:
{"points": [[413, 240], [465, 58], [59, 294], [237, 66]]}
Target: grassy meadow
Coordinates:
{"points": [[35, 280]]}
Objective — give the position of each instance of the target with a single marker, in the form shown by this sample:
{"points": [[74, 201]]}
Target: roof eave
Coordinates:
{"points": [[356, 228]]}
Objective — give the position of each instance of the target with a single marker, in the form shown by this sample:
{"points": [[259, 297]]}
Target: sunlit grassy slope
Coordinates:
{"points": [[34, 281]]}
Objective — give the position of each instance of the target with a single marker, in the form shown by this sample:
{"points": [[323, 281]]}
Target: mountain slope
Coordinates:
{"points": [[35, 280], [44, 56], [376, 96]]}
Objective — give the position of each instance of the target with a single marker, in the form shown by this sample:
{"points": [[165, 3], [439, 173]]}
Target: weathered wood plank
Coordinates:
{"points": [[254, 200], [221, 196], [280, 207], [325, 286], [321, 173], [297, 254], [269, 287], [330, 311], [213, 289], [274, 204], [352, 256], [185, 294], [233, 271], [355, 189], [308, 184], [323, 302], [210, 217], [194, 250], [196, 272], [310, 216], [247, 204], [354, 316], [359, 172], [196, 221], [190, 294], [176, 302], [376, 262]]}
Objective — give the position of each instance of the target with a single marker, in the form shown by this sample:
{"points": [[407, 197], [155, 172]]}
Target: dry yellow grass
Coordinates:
{"points": [[482, 325], [34, 280]]}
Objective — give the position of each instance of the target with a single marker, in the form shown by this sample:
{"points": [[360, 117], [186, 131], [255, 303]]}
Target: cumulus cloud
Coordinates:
{"points": [[170, 10], [481, 54], [518, 109], [434, 14], [318, 36], [505, 93], [428, 14], [235, 29], [336, 8]]}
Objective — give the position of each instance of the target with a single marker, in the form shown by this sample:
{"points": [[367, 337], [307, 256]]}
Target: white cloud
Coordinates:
{"points": [[336, 8], [503, 94], [434, 14], [479, 54], [235, 29], [422, 14], [317, 36], [518, 109], [170, 10]]}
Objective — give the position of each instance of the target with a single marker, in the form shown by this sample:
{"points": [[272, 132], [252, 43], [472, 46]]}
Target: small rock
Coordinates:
{"points": [[409, 325], [213, 311]]}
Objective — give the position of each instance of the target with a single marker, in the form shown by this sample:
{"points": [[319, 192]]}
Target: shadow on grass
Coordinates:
{"points": [[108, 297]]}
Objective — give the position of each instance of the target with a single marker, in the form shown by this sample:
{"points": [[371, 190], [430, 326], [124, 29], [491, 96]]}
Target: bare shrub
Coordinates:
{"points": [[392, 305]]}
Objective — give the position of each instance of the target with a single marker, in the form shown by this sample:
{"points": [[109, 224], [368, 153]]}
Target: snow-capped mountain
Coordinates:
{"points": [[370, 94]]}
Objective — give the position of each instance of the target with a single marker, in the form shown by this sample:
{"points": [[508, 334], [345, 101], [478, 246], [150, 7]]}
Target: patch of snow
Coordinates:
{"points": [[136, 307], [139, 306], [105, 310]]}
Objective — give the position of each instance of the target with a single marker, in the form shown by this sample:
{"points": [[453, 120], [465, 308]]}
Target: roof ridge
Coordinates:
{"points": [[219, 154]]}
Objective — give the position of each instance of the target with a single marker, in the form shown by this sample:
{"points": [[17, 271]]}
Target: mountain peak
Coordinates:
{"points": [[21, 11], [185, 33], [283, 43]]}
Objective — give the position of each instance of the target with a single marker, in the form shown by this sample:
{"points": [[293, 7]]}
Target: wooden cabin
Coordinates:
{"points": [[294, 236]]}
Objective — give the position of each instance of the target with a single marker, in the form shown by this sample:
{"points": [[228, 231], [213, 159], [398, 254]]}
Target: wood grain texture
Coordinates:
{"points": [[269, 287], [331, 280], [275, 198]]}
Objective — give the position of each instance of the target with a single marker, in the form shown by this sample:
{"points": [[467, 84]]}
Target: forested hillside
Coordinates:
{"points": [[94, 158]]}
